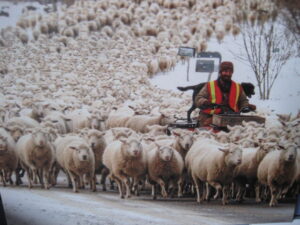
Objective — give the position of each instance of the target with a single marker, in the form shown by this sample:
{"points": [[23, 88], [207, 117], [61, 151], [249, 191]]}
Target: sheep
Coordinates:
{"points": [[156, 130], [24, 121], [61, 122], [36, 156], [16, 131], [165, 166], [183, 141], [118, 117], [277, 170], [125, 158], [8, 157], [77, 159], [246, 172], [208, 161], [139, 123], [17, 125], [97, 143]]}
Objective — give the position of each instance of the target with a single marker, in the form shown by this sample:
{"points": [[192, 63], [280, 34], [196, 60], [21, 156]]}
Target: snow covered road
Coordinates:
{"points": [[60, 205]]}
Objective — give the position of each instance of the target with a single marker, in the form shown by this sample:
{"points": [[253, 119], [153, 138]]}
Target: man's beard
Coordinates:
{"points": [[224, 84]]}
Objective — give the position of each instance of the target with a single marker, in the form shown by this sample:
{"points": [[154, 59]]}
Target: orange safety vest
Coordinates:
{"points": [[215, 96]]}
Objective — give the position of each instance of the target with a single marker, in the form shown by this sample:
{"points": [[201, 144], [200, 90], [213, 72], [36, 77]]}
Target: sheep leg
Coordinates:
{"points": [[2, 175], [179, 184], [123, 178], [81, 182], [208, 191], [29, 177], [40, 176], [104, 174], [47, 176], [240, 193], [153, 191], [8, 174], [225, 194], [119, 183], [274, 193], [91, 177], [18, 177], [257, 192], [75, 180], [218, 188], [197, 184], [34, 175], [163, 188]]}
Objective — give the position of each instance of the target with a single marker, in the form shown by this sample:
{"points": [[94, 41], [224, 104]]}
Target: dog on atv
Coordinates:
{"points": [[248, 89]]}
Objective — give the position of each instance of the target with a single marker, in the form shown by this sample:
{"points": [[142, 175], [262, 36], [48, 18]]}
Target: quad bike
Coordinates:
{"points": [[219, 121]]}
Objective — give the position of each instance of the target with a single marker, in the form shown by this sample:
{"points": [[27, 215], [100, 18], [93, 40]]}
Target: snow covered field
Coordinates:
{"points": [[36, 207]]}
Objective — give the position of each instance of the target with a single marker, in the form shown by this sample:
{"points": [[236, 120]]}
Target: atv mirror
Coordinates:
{"points": [[206, 66]]}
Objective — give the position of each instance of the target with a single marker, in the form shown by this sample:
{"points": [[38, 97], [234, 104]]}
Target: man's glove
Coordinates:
{"points": [[245, 109], [252, 107], [248, 108]]}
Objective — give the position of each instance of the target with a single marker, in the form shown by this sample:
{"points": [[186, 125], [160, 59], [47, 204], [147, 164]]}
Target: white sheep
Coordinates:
{"points": [[208, 161], [77, 159], [36, 156], [61, 122], [139, 123], [165, 166], [278, 169], [97, 143], [246, 172], [183, 141], [118, 117], [8, 157], [125, 159]]}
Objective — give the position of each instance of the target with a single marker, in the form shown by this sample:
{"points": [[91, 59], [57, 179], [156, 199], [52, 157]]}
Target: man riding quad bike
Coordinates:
{"points": [[221, 96]]}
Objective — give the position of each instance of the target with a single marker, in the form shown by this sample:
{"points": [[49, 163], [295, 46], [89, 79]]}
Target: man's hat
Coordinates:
{"points": [[226, 65]]}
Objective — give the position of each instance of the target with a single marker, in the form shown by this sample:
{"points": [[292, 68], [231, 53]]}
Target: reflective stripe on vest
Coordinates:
{"points": [[215, 96]]}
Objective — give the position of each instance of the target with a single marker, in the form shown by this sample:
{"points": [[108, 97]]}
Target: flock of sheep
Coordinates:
{"points": [[76, 97]]}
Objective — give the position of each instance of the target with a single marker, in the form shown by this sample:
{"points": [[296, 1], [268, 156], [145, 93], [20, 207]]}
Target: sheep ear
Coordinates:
{"points": [[29, 130], [176, 133], [123, 139], [101, 134], [156, 144], [7, 129], [229, 127], [224, 149], [72, 147]]}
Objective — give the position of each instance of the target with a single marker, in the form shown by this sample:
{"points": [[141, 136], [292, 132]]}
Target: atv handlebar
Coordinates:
{"points": [[222, 106]]}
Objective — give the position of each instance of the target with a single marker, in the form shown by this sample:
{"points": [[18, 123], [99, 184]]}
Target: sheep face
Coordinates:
{"points": [[165, 153], [289, 153], [233, 155], [133, 148], [16, 133], [95, 140], [264, 149], [57, 125], [39, 138], [186, 141], [3, 145], [82, 152]]}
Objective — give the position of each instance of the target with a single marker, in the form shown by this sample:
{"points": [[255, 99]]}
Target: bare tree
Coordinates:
{"points": [[266, 47], [289, 10]]}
